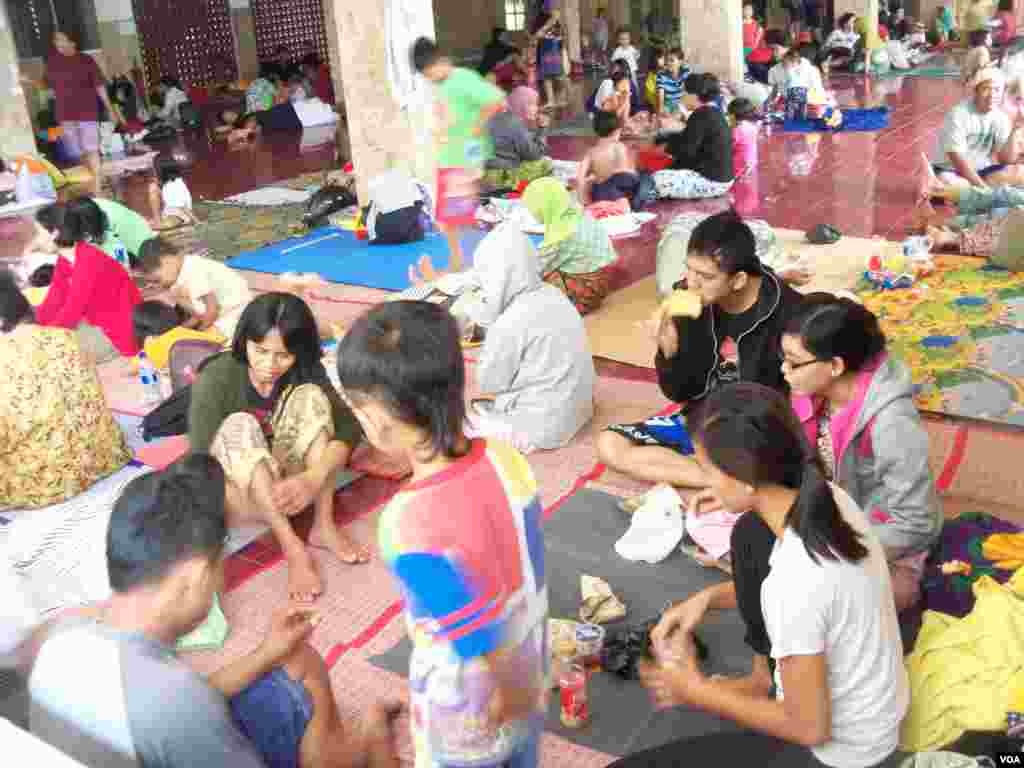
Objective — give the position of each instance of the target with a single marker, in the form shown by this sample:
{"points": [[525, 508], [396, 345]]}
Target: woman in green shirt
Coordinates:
{"points": [[268, 412], [577, 252]]}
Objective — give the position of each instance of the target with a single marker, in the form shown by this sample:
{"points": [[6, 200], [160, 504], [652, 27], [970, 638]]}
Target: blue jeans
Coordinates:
{"points": [[273, 714]]}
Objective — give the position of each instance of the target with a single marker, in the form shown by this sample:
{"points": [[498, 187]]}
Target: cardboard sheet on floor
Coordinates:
{"points": [[579, 538], [340, 257], [617, 331]]}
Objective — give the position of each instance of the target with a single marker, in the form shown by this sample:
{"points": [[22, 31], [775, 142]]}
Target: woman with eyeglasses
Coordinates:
{"points": [[855, 402]]}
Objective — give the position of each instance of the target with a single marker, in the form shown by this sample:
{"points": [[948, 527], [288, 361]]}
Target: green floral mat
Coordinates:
{"points": [[228, 230], [961, 332]]}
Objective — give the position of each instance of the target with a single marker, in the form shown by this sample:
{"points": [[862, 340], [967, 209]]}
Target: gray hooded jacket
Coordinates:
{"points": [[536, 357], [882, 460]]}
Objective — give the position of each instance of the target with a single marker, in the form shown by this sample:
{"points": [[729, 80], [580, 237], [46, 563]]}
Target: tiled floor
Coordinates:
{"points": [[861, 182]]}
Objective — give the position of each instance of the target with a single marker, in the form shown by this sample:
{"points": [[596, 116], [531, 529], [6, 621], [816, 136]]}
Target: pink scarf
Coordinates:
{"points": [[520, 101]]}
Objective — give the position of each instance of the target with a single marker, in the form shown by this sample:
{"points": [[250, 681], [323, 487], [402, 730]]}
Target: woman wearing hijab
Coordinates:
{"points": [[535, 369], [520, 141], [577, 252]]}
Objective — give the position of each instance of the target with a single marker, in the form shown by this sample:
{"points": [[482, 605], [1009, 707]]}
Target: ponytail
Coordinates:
{"points": [[751, 433], [816, 519]]}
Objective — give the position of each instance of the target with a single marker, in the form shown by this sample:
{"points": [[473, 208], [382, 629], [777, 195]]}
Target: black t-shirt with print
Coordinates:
{"points": [[729, 328]]}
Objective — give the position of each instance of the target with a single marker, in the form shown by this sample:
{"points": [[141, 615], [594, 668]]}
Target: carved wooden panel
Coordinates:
{"points": [[188, 39], [296, 24]]}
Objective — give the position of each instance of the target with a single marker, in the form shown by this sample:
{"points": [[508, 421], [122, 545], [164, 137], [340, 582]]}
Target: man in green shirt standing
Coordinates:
{"points": [[467, 103]]}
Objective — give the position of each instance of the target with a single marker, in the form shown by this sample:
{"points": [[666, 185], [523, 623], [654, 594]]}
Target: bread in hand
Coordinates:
{"points": [[683, 303]]}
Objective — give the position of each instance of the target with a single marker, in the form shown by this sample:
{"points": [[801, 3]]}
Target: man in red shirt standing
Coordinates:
{"points": [[77, 83]]}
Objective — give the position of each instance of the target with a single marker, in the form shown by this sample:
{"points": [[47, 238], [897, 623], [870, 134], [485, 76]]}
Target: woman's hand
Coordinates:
{"points": [[672, 685], [293, 494], [681, 618], [704, 502]]}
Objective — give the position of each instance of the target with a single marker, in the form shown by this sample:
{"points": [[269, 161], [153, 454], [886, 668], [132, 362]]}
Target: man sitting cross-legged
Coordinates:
{"points": [[744, 307], [109, 691]]}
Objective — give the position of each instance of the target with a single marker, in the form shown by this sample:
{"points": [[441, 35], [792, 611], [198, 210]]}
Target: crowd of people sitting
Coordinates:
{"points": [[795, 421], [794, 426]]}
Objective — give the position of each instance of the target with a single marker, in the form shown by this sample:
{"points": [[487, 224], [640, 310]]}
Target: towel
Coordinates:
{"points": [[964, 673]]}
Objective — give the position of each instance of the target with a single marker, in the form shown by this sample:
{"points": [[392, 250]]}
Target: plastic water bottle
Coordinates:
{"points": [[150, 378]]}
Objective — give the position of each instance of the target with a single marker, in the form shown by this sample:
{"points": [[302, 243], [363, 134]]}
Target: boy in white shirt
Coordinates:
{"points": [[794, 71], [627, 53], [213, 293]]}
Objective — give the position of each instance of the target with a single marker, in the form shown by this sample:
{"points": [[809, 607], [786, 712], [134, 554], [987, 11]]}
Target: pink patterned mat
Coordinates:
{"points": [[361, 614]]}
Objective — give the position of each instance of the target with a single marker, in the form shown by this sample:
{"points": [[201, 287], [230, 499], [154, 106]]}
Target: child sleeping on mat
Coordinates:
{"points": [[158, 326]]}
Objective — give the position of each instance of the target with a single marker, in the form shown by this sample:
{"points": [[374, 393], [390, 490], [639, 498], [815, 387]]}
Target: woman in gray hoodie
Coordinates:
{"points": [[535, 369], [856, 404]]}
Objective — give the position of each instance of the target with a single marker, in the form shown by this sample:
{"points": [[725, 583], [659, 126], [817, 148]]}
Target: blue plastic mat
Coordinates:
{"points": [[853, 120], [339, 256]]}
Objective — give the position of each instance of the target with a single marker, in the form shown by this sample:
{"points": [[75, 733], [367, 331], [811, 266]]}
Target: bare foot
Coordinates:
{"points": [[942, 238], [304, 583], [424, 272], [379, 726], [924, 214], [927, 181], [331, 539]]}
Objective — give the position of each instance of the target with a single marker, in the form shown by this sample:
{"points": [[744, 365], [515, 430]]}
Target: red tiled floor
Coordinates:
{"points": [[861, 182]]}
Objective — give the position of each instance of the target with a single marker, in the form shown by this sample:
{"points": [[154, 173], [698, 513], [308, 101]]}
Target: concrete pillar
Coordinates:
{"points": [[571, 24], [588, 9], [383, 132], [15, 124], [712, 32], [618, 16]]}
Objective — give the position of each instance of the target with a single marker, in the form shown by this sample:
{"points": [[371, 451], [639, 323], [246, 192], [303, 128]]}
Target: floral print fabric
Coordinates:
{"points": [[57, 435]]}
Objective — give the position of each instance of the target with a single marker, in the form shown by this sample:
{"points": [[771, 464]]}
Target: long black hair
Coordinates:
{"points": [[293, 319], [750, 432], [14, 307], [154, 318], [407, 356], [830, 326], [83, 221]]}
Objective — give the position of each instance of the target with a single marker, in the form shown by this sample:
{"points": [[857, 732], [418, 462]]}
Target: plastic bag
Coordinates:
{"points": [[325, 201]]}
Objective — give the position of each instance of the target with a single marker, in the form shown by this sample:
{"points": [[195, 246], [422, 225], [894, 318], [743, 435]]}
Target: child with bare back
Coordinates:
{"points": [[608, 171]]}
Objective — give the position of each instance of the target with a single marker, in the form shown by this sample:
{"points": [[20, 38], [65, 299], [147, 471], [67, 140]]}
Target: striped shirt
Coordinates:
{"points": [[672, 87]]}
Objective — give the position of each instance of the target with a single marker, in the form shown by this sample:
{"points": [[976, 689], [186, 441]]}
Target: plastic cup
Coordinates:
{"points": [[589, 644]]}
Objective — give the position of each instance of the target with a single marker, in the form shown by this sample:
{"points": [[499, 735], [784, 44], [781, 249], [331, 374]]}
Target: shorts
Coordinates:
{"points": [[662, 431], [273, 714], [81, 137]]}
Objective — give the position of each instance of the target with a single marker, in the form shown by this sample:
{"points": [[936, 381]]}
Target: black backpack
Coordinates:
{"points": [[169, 418]]}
